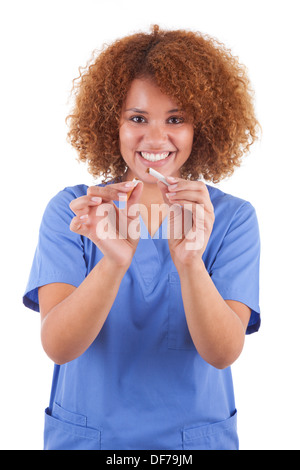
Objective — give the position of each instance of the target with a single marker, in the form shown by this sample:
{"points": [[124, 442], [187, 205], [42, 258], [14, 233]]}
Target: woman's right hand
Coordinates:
{"points": [[114, 231]]}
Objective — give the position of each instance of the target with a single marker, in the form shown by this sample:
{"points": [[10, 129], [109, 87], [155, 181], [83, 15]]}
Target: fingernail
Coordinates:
{"points": [[130, 184], [85, 216], [171, 178], [96, 199]]}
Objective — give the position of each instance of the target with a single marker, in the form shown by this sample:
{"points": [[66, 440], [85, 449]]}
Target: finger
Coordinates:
{"points": [[191, 216], [135, 182], [110, 191], [198, 197], [181, 185], [195, 208], [162, 186], [181, 198], [164, 190], [134, 195], [180, 189], [82, 203], [130, 205], [79, 224], [192, 213]]}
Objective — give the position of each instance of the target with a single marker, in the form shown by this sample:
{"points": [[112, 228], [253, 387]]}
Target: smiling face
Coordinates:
{"points": [[153, 132]]}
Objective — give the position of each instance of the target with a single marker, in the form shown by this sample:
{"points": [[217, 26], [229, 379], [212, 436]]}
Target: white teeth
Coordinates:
{"points": [[155, 157]]}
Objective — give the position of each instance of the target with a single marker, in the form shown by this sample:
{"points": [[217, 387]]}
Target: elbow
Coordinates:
{"points": [[53, 354], [53, 348], [225, 358], [59, 359], [221, 365], [228, 359], [60, 362], [223, 362]]}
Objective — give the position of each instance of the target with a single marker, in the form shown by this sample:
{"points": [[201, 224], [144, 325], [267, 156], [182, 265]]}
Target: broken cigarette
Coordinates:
{"points": [[157, 175], [135, 181]]}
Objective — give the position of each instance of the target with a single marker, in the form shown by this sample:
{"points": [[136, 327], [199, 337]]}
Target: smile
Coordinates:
{"points": [[154, 157]]}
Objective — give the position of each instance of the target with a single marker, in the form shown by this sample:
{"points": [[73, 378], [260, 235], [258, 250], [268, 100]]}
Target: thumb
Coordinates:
{"points": [[164, 189], [136, 193], [132, 206]]}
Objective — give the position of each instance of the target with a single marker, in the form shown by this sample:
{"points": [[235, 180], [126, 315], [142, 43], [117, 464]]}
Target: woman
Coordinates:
{"points": [[143, 324]]}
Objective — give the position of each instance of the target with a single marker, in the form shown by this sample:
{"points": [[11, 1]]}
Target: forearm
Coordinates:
{"points": [[216, 330], [70, 327]]}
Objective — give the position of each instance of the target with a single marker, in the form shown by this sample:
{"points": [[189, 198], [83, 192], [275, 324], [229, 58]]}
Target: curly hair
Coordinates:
{"points": [[196, 71]]}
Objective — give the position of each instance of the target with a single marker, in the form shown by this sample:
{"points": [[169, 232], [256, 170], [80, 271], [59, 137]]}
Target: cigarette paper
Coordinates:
{"points": [[157, 175]]}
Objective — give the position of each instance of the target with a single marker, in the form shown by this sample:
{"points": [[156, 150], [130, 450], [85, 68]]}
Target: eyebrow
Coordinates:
{"points": [[136, 110]]}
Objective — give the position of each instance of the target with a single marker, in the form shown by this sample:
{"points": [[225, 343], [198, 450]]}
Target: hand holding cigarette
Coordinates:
{"points": [[98, 218], [194, 220]]}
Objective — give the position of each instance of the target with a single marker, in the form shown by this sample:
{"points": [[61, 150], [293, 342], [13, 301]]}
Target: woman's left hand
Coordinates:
{"points": [[191, 219]]}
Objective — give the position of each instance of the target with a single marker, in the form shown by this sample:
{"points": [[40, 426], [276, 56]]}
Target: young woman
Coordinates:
{"points": [[143, 324]]}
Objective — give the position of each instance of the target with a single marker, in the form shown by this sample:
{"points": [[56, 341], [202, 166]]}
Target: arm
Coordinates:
{"points": [[73, 317], [217, 327]]}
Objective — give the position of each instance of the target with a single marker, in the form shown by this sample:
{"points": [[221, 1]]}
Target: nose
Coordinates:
{"points": [[155, 136]]}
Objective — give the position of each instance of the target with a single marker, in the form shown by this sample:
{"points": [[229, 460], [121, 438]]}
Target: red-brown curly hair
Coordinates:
{"points": [[195, 70]]}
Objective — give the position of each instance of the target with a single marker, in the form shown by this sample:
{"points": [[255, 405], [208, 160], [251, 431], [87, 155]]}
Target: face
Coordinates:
{"points": [[153, 132]]}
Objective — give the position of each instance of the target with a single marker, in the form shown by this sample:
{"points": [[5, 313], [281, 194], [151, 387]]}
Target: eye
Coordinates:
{"points": [[175, 120], [138, 119]]}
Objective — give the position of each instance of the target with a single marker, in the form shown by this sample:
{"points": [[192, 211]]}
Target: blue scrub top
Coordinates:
{"points": [[142, 384]]}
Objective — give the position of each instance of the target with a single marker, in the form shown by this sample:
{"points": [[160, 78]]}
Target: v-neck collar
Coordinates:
{"points": [[161, 232], [147, 260]]}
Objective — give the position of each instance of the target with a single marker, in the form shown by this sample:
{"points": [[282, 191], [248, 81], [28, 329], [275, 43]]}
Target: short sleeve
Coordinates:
{"points": [[59, 256], [235, 271]]}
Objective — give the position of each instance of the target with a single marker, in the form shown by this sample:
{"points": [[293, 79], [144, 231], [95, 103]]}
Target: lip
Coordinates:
{"points": [[157, 164]]}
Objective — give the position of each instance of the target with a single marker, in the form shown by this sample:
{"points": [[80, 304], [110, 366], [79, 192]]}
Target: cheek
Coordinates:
{"points": [[187, 139], [123, 136], [128, 137]]}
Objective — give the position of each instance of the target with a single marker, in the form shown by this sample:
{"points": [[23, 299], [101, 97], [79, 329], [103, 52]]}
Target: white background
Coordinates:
{"points": [[42, 45]]}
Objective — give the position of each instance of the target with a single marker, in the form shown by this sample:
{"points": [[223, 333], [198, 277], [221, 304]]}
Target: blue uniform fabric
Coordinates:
{"points": [[142, 384]]}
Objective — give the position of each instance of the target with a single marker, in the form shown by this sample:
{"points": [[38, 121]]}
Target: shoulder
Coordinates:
{"points": [[69, 193], [235, 232], [227, 205], [62, 199], [221, 199], [233, 216], [66, 195], [59, 205]]}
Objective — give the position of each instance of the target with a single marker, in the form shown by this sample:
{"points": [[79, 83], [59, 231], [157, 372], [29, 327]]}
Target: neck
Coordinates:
{"points": [[149, 204], [151, 193]]}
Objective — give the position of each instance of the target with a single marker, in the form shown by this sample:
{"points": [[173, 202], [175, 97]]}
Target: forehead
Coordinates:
{"points": [[144, 92]]}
